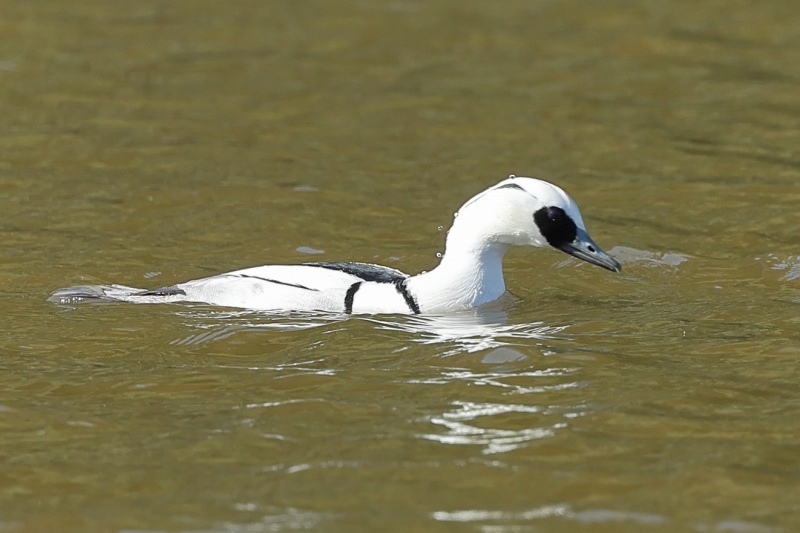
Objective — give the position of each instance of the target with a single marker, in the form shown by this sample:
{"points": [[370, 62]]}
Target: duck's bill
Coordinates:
{"points": [[583, 247]]}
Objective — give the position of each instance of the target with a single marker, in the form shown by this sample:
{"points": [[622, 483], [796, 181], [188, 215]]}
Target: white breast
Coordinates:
{"points": [[374, 297]]}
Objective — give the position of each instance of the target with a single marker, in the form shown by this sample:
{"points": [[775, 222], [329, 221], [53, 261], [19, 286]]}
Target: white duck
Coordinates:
{"points": [[516, 211]]}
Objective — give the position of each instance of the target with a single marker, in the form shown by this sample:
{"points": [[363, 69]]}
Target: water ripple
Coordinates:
{"points": [[790, 264], [494, 379], [470, 331], [493, 440], [276, 520], [627, 255], [550, 511], [737, 526]]}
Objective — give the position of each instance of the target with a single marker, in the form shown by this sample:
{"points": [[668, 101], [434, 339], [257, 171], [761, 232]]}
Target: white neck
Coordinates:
{"points": [[470, 273]]}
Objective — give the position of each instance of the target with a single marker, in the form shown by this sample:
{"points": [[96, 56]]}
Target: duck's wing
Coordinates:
{"points": [[320, 276], [365, 271]]}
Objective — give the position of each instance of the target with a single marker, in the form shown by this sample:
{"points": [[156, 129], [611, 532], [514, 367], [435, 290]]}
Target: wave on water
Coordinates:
{"points": [[468, 331], [626, 255], [550, 511], [791, 265], [632, 256], [219, 325]]}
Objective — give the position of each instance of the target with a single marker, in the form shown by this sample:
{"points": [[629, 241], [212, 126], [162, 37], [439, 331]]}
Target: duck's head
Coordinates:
{"points": [[527, 211]]}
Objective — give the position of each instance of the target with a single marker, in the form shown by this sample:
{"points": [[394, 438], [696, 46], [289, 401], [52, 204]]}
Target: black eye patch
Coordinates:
{"points": [[555, 225]]}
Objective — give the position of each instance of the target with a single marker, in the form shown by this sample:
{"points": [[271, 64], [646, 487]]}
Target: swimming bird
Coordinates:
{"points": [[517, 211]]}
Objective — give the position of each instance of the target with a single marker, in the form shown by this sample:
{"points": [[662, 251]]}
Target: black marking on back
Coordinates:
{"points": [[349, 297], [556, 226], [163, 291], [401, 287], [295, 285], [510, 186], [365, 271]]}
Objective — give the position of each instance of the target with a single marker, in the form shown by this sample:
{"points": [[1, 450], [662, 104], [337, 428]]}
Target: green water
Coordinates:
{"points": [[153, 142]]}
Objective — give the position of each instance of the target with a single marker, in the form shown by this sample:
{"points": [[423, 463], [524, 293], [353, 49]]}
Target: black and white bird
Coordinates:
{"points": [[516, 211]]}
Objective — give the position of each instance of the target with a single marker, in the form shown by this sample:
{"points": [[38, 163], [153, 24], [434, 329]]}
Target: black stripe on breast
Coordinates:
{"points": [[350, 296], [277, 282], [400, 285]]}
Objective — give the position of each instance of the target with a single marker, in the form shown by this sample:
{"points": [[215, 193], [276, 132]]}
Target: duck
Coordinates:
{"points": [[517, 211]]}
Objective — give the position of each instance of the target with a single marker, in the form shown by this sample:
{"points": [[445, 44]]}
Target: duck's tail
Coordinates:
{"points": [[117, 293]]}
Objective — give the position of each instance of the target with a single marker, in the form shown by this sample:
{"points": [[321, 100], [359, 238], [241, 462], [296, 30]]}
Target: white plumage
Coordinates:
{"points": [[516, 211]]}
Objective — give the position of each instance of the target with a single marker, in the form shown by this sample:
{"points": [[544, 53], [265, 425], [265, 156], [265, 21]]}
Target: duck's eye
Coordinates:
{"points": [[555, 214]]}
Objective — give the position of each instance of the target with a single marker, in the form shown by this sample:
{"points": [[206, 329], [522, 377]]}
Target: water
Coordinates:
{"points": [[150, 143]]}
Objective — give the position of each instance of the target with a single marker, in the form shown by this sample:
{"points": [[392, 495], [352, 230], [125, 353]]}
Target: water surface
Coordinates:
{"points": [[151, 143]]}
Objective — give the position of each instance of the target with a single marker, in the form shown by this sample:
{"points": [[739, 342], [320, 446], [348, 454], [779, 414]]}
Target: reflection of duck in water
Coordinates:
{"points": [[471, 330], [516, 211]]}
